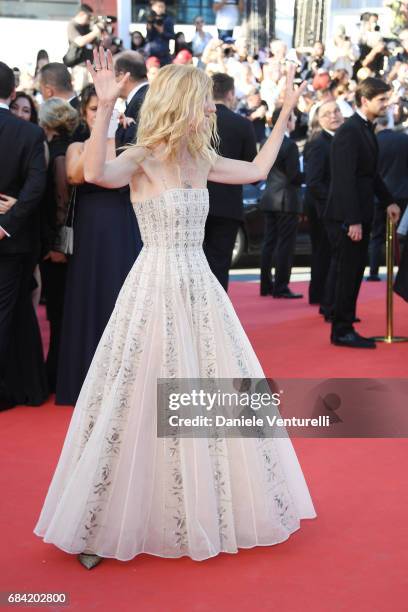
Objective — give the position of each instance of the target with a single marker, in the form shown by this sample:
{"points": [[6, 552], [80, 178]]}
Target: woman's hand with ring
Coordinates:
{"points": [[108, 87]]}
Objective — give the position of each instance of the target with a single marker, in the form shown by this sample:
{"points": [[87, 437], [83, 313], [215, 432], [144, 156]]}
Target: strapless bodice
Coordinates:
{"points": [[174, 220]]}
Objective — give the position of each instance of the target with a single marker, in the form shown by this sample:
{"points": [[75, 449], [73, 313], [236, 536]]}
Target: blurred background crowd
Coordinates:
{"points": [[333, 70]]}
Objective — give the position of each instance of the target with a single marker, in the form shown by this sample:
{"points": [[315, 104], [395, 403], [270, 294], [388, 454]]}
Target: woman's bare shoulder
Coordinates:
{"points": [[75, 148]]}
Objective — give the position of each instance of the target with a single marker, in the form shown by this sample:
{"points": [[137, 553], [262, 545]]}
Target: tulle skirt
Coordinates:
{"points": [[120, 490]]}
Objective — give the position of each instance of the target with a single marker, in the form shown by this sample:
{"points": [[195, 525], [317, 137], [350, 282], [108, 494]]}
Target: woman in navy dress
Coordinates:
{"points": [[106, 244]]}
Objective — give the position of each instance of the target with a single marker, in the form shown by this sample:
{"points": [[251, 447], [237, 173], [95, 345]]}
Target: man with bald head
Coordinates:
{"points": [[55, 81], [317, 172]]}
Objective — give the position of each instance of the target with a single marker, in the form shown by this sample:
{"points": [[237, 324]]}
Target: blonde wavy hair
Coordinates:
{"points": [[57, 114], [173, 114]]}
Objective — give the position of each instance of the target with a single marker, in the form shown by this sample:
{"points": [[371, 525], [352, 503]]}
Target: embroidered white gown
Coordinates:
{"points": [[118, 489]]}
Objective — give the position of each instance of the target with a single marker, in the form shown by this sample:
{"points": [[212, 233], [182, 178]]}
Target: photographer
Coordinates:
{"points": [[372, 46], [159, 31], [81, 40], [317, 62]]}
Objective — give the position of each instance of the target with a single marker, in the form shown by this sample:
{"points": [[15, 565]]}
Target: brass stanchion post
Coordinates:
{"points": [[389, 337]]}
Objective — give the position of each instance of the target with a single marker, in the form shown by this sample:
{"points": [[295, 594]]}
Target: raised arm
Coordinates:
{"points": [[236, 172], [119, 171]]}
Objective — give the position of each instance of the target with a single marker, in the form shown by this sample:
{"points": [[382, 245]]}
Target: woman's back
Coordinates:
{"points": [[156, 174]]}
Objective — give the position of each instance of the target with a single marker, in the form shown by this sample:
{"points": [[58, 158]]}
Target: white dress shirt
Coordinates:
{"points": [[134, 92], [362, 115]]}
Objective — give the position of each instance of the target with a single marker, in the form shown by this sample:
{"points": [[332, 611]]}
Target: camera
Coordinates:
{"points": [[154, 19], [104, 22]]}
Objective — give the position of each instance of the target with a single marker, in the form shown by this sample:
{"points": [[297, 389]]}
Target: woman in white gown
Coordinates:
{"points": [[118, 489]]}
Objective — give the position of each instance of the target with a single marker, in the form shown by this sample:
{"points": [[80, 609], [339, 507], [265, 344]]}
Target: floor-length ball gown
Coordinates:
{"points": [[118, 489]]}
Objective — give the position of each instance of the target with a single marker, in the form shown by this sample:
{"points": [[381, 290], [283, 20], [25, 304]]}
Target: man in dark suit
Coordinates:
{"points": [[282, 205], [317, 176], [22, 180], [134, 92], [355, 181], [393, 168], [237, 141], [55, 81]]}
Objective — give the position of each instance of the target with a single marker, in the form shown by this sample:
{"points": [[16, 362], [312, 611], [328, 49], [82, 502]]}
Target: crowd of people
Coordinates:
{"points": [[44, 196]]}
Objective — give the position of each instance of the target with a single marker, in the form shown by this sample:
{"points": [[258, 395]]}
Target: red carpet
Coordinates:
{"points": [[354, 556]]}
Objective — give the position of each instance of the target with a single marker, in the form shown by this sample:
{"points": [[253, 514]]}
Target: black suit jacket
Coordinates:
{"points": [[316, 156], [284, 180], [23, 176], [355, 179], [128, 135], [237, 141], [393, 162]]}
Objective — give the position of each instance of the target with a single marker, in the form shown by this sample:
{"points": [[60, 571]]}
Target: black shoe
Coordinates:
{"points": [[353, 340], [266, 290], [373, 278], [288, 295], [356, 320]]}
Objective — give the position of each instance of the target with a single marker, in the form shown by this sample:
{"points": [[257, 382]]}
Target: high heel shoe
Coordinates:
{"points": [[89, 561]]}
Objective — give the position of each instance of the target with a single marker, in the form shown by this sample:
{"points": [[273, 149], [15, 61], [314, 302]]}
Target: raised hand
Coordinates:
{"points": [[107, 87], [292, 95]]}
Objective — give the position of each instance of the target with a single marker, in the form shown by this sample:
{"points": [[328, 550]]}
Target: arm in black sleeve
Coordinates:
{"points": [[168, 32], [32, 190], [343, 168], [291, 164], [384, 197], [315, 165], [249, 150], [151, 33]]}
